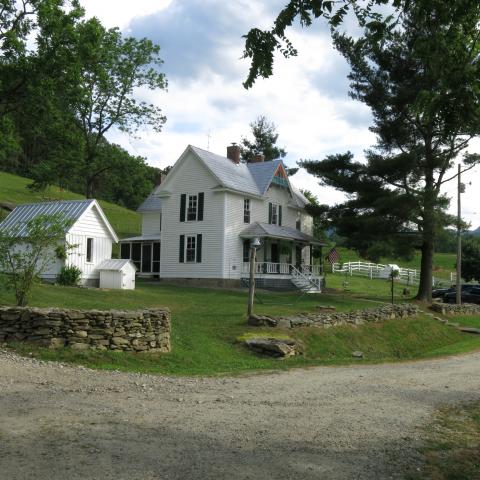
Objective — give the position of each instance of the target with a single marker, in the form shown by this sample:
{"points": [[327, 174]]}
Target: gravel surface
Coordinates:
{"points": [[361, 422]]}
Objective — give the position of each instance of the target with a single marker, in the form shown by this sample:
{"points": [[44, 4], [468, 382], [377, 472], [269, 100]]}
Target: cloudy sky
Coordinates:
{"points": [[207, 106]]}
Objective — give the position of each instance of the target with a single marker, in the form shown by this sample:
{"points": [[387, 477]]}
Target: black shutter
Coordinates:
{"points": [[269, 213], [183, 204], [280, 215], [199, 248], [200, 207], [181, 252]]}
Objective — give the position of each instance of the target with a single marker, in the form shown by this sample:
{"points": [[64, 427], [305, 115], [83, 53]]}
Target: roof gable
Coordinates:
{"points": [[72, 210]]}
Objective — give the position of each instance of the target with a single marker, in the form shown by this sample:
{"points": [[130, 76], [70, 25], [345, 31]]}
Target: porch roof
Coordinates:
{"points": [[266, 230], [142, 238]]}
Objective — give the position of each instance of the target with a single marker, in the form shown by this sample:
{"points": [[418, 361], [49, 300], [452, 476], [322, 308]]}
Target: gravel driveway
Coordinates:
{"points": [[361, 422]]}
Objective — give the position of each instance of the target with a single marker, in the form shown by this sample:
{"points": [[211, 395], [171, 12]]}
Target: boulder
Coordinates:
{"points": [[273, 347]]}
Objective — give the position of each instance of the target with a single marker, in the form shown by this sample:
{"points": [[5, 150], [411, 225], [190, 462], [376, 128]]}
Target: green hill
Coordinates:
{"points": [[13, 189]]}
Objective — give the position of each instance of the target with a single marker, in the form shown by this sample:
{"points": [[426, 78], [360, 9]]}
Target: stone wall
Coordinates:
{"points": [[143, 330], [334, 319], [452, 309]]}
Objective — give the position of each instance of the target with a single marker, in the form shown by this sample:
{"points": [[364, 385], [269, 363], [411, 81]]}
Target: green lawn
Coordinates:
{"points": [[452, 443], [206, 323], [14, 189]]}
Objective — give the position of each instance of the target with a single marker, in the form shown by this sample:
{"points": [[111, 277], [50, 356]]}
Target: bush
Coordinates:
{"points": [[69, 276]]}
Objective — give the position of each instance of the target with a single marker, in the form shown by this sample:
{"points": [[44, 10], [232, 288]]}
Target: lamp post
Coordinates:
{"points": [[254, 244]]}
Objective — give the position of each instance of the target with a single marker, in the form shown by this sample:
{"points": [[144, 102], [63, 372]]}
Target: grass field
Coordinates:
{"points": [[452, 443], [207, 322], [14, 189]]}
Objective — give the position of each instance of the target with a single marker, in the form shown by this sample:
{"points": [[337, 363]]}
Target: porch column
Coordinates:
{"points": [[311, 256]]}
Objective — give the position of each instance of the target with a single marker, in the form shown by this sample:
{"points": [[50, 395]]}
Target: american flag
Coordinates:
{"points": [[333, 256]]}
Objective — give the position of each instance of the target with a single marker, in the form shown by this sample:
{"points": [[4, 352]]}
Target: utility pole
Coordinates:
{"points": [[459, 239], [255, 243]]}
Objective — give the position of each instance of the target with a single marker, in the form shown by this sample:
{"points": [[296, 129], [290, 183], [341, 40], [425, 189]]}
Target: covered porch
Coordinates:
{"points": [[284, 253], [144, 251]]}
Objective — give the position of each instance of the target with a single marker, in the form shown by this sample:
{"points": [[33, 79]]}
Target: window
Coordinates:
{"points": [[192, 208], [246, 210], [274, 214], [125, 250], [298, 223], [89, 250], [190, 249], [246, 250]]}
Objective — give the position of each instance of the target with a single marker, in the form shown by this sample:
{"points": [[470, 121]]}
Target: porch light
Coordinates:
{"points": [[255, 243]]}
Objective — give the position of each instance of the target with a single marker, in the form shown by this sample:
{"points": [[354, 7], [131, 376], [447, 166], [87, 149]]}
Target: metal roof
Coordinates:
{"points": [[22, 214], [115, 264], [263, 230], [151, 204], [140, 238]]}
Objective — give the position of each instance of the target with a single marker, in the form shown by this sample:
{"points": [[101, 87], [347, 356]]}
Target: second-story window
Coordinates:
{"points": [[274, 214], [246, 210], [192, 207], [298, 223]]}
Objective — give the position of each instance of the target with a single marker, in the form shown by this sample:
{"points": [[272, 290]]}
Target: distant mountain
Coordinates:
{"points": [[475, 232]]}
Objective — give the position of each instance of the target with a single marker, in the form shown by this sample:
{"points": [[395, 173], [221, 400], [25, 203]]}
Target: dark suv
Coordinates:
{"points": [[442, 292], [471, 295]]}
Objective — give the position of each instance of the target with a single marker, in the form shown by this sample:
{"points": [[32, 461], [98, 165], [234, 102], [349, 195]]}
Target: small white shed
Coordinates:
{"points": [[386, 271], [117, 273]]}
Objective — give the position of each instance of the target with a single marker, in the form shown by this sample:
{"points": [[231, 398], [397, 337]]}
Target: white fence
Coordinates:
{"points": [[410, 276]]}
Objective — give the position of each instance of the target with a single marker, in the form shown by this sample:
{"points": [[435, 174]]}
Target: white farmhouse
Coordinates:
{"points": [[90, 234], [199, 223]]}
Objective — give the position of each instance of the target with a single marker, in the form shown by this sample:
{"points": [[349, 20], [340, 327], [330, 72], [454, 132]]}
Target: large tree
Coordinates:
{"points": [[264, 142], [420, 79]]}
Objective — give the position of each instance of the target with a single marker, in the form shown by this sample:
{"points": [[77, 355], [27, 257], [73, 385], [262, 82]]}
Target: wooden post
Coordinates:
{"points": [[251, 286]]}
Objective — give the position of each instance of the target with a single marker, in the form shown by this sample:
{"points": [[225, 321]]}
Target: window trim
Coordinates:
{"points": [[89, 258], [195, 243], [187, 207]]}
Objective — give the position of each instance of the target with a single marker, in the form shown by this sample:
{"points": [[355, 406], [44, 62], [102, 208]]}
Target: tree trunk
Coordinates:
{"points": [[426, 270]]}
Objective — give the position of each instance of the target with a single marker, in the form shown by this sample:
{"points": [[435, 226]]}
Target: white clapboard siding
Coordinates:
{"points": [[90, 224], [151, 223], [281, 196], [192, 177], [102, 250]]}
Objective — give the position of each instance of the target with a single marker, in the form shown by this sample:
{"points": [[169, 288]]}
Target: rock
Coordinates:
{"points": [[470, 330], [261, 321], [273, 346], [79, 346], [357, 354], [57, 342]]}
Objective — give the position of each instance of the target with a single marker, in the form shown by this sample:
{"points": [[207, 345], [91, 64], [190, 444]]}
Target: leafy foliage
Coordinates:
{"points": [[420, 81], [23, 258], [471, 259], [69, 276], [59, 99], [264, 142]]}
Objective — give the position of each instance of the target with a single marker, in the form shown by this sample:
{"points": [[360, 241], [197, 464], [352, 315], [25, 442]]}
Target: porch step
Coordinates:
{"points": [[304, 285]]}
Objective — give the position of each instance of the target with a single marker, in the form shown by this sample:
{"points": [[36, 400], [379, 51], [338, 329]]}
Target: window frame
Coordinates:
{"points": [[187, 249], [187, 207], [246, 210], [90, 250], [274, 214]]}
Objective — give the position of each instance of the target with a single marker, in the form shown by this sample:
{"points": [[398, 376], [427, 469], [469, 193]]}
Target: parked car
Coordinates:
{"points": [[468, 296], [441, 292]]}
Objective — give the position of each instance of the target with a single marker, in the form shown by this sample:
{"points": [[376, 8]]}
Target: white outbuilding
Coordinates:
{"points": [[117, 273], [89, 236]]}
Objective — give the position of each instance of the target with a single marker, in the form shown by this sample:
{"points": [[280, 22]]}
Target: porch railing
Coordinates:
{"points": [[271, 268]]}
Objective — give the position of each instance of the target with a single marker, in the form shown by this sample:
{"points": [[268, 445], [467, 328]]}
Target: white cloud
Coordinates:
{"points": [[306, 97]]}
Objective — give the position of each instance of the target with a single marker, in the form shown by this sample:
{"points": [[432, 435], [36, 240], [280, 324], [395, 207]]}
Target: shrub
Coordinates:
{"points": [[69, 276]]}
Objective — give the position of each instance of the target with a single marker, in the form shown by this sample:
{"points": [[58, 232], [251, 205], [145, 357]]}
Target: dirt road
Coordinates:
{"points": [[63, 422]]}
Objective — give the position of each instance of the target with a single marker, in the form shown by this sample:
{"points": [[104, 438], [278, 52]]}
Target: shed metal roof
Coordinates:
{"points": [[115, 264], [22, 214]]}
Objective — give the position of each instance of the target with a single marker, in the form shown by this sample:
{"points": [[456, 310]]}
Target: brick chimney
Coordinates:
{"points": [[233, 153], [258, 158]]}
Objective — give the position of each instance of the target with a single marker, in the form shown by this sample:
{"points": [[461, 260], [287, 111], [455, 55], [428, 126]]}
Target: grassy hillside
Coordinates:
{"points": [[14, 189]]}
